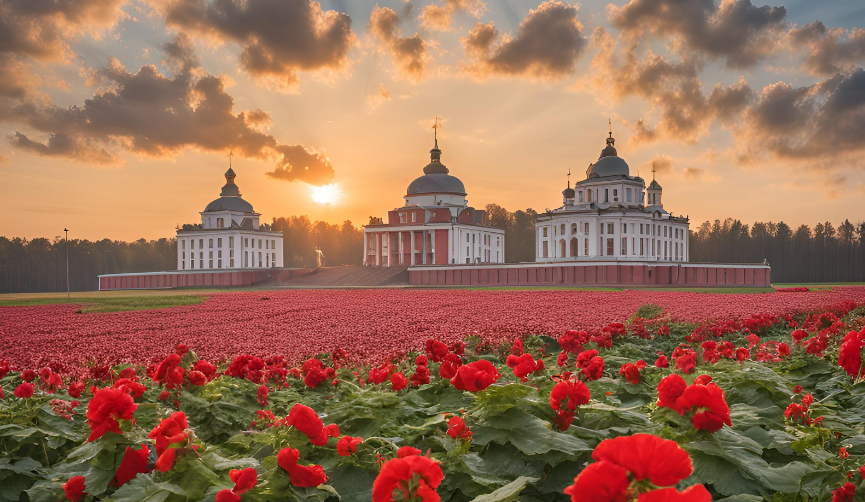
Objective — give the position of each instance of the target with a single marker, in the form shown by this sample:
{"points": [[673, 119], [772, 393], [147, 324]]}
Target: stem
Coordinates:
{"points": [[47, 462]]}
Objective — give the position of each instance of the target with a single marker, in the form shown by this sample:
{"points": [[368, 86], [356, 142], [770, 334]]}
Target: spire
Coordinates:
{"points": [[610, 150], [653, 171], [569, 177], [230, 189], [435, 166]]}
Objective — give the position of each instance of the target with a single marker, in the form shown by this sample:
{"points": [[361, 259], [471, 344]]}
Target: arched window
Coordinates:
{"points": [[563, 229], [563, 249], [573, 228], [581, 196], [575, 246], [586, 247], [590, 195]]}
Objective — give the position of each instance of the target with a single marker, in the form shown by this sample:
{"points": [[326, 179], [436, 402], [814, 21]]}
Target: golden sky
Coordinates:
{"points": [[117, 116]]}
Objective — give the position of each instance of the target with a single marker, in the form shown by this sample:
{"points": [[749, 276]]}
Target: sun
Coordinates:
{"points": [[327, 194]]}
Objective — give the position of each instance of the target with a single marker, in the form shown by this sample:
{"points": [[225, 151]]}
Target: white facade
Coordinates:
{"points": [[229, 236], [611, 216], [436, 226]]}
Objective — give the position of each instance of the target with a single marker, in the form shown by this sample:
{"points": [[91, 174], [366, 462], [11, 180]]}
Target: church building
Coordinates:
{"points": [[435, 226], [611, 215], [229, 236]]}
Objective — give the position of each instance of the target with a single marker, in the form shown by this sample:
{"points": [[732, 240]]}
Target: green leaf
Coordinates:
{"points": [[507, 493], [353, 483], [143, 489], [527, 433]]}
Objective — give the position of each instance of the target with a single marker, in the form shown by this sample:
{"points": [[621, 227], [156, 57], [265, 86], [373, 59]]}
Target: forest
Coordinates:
{"points": [[822, 253]]}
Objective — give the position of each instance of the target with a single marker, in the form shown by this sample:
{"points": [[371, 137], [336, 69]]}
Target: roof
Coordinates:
{"points": [[654, 186], [436, 183], [610, 165], [229, 199]]}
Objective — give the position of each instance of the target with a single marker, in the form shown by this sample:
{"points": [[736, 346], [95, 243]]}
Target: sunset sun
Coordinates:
{"points": [[327, 194]]}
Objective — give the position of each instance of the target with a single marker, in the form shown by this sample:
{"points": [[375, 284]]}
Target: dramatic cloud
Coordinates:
{"points": [[152, 114], [278, 37], [831, 50], [408, 53], [735, 30], [438, 17], [674, 88], [820, 126], [547, 45]]}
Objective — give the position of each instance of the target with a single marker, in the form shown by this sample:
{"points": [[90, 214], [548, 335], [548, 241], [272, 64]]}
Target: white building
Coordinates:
{"points": [[611, 215], [436, 226], [229, 236]]}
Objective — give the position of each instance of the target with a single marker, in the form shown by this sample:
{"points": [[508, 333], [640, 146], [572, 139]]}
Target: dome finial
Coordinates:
{"points": [[435, 166], [435, 132], [610, 150]]}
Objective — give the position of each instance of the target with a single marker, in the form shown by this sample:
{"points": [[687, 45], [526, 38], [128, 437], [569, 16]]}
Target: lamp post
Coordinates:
{"points": [[66, 230]]}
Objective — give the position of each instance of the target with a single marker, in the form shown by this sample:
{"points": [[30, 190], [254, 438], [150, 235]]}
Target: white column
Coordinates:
{"points": [[400, 248], [365, 246], [411, 247]]}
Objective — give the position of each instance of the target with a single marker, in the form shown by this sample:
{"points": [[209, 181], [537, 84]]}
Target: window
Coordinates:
{"points": [[606, 195], [267, 259], [580, 196], [259, 253], [220, 222], [219, 242], [624, 246], [665, 231], [413, 217], [273, 244], [231, 263], [220, 254], [587, 227], [219, 264], [611, 247], [586, 247], [602, 228], [273, 259], [546, 248], [642, 251], [246, 242], [545, 233], [590, 195], [611, 229], [641, 229], [573, 228], [182, 244], [402, 217], [184, 256], [624, 228], [191, 243], [210, 264], [467, 237], [259, 244], [183, 266], [210, 243], [563, 229], [627, 195], [231, 253], [201, 245], [615, 195], [210, 254]]}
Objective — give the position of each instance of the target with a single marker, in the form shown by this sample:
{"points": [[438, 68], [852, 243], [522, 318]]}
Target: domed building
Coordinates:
{"points": [[435, 226], [611, 215], [229, 236]]}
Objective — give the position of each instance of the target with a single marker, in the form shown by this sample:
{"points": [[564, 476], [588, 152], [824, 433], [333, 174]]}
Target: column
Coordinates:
{"points": [[365, 247], [400, 248], [424, 234]]}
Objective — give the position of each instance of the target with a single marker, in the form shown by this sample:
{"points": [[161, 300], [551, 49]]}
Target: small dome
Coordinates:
{"points": [[569, 193], [611, 166], [654, 186], [229, 199], [436, 183]]}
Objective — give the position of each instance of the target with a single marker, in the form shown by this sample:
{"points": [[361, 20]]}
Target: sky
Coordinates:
{"points": [[117, 117]]}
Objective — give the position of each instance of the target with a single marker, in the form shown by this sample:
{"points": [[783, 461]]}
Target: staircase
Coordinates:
{"points": [[350, 276]]}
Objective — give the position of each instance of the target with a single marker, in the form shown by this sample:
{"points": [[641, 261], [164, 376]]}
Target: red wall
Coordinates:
{"points": [[593, 274], [190, 279]]}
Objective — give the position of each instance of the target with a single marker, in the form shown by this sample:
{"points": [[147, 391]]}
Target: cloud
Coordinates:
{"points": [[662, 164], [278, 38], [820, 126], [152, 114], [674, 88], [4, 159], [383, 95], [438, 17], [408, 53], [831, 50], [548, 44], [698, 174], [734, 30]]}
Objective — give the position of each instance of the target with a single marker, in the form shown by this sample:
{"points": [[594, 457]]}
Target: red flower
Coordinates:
{"points": [[703, 380], [742, 353], [421, 375], [24, 391], [662, 362], [711, 406], [797, 389], [396, 473], [331, 430], [645, 456], [670, 389], [843, 453], [436, 350], [347, 445], [134, 463], [575, 391], [398, 381], [74, 488], [306, 420], [476, 376], [594, 368], [562, 360], [517, 348], [457, 428], [196, 378], [844, 493], [407, 451], [524, 364], [227, 496], [262, 395], [449, 366], [630, 372], [600, 482], [850, 354], [105, 409], [244, 480], [695, 493], [205, 367], [75, 389], [421, 360], [686, 363], [169, 373], [130, 386], [300, 475], [168, 433], [28, 375]]}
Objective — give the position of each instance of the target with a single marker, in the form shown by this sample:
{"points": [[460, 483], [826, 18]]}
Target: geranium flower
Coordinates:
{"points": [[599, 482], [449, 366], [475, 376], [300, 475], [695, 493], [134, 462], [168, 433], [244, 480], [347, 445], [396, 473], [524, 364], [226, 496], [436, 350], [105, 409], [398, 381], [261, 395], [420, 376], [844, 493], [631, 373], [74, 488], [196, 378], [457, 428], [24, 391]]}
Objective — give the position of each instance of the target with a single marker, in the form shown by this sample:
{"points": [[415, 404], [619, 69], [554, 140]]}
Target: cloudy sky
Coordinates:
{"points": [[117, 116]]}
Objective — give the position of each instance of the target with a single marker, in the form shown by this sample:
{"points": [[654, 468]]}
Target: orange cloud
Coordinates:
{"points": [[408, 53]]}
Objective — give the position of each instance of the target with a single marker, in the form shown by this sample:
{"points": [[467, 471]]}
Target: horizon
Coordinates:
{"points": [[118, 126]]}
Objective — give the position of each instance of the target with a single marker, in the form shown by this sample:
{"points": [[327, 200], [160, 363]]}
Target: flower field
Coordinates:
{"points": [[368, 324], [475, 396]]}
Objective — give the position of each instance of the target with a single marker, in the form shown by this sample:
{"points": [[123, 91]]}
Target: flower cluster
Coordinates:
{"points": [[703, 398]]}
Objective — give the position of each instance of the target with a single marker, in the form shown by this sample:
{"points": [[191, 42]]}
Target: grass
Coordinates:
{"points": [[109, 301]]}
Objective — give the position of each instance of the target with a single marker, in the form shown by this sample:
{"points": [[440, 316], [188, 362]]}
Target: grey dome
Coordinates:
{"points": [[229, 204], [611, 166], [436, 183], [229, 199]]}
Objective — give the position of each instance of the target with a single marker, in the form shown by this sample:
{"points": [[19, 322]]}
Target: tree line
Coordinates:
{"points": [[823, 253]]}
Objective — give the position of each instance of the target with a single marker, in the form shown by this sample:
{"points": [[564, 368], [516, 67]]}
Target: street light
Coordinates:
{"points": [[67, 264]]}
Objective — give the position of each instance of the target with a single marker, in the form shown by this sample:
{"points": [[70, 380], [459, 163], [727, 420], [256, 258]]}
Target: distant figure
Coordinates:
{"points": [[319, 257]]}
